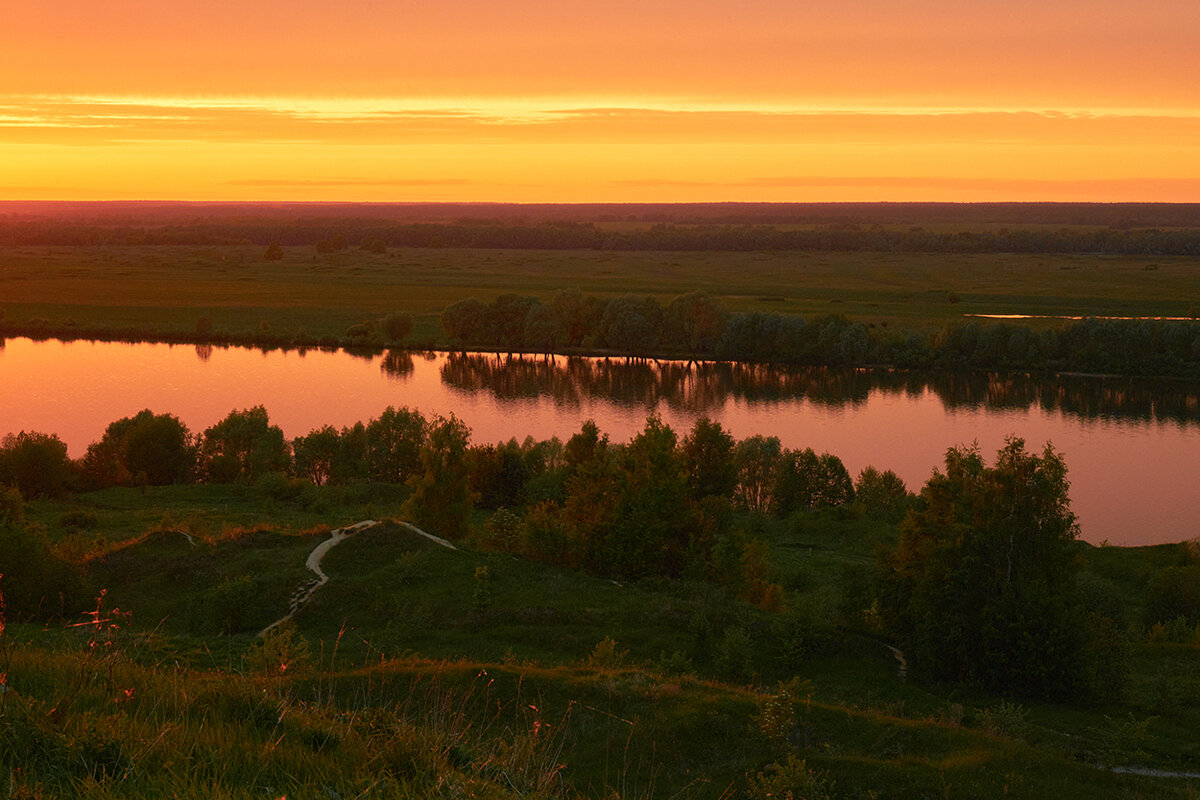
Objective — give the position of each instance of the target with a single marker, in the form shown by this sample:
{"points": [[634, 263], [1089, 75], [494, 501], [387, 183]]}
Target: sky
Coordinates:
{"points": [[650, 101]]}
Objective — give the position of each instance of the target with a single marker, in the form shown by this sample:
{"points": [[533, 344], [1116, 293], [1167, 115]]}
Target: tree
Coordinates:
{"points": [[806, 480], [543, 331], [273, 253], [147, 448], [881, 494], [696, 322], [441, 499], [756, 460], [396, 327], [35, 463], [979, 587], [394, 445], [632, 324], [314, 455], [463, 321], [651, 531], [708, 460], [242, 447]]}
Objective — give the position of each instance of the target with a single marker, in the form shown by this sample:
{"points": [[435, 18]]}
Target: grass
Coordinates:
{"points": [[407, 688], [168, 288]]}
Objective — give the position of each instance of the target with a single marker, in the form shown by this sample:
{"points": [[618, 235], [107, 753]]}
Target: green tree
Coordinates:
{"points": [[980, 586], [650, 533], [632, 324], [757, 463], [396, 327], [441, 499], [313, 455], [695, 322], [147, 448], [806, 480], [35, 463], [242, 447], [881, 494], [543, 330], [394, 442], [708, 460]]}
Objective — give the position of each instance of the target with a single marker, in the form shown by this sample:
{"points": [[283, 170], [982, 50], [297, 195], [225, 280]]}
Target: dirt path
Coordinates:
{"points": [[303, 594], [902, 670], [1155, 773]]}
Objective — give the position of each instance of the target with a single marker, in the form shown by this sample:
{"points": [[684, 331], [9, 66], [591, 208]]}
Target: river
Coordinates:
{"points": [[1132, 447]]}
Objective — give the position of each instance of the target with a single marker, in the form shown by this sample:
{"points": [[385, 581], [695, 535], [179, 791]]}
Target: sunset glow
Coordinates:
{"points": [[526, 102]]}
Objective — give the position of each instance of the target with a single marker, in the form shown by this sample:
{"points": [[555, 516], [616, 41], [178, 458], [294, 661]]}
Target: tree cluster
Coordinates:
{"points": [[1038, 228], [631, 325], [695, 326], [981, 586]]}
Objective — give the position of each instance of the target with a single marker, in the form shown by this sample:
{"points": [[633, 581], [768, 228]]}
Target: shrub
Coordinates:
{"points": [[734, 656], [78, 520], [227, 603], [792, 780], [396, 327], [36, 583], [605, 655], [281, 651]]}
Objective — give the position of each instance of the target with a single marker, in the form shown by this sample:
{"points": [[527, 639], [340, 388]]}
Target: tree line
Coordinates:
{"points": [[695, 326], [377, 235], [981, 585]]}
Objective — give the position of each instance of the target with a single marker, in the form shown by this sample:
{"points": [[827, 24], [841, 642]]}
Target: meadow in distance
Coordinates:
{"points": [[681, 615]]}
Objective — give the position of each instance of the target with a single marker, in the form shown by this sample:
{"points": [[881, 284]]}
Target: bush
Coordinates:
{"points": [[226, 604], [396, 327], [734, 660], [792, 780], [12, 507], [35, 582], [281, 651], [605, 655], [79, 521], [35, 463]]}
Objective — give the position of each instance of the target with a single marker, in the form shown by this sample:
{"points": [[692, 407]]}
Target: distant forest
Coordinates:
{"points": [[1121, 228]]}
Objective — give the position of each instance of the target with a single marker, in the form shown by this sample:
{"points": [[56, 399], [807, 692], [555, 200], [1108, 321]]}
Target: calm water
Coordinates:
{"points": [[1132, 447]]}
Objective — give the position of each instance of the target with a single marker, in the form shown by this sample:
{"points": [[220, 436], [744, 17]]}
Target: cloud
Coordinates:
{"points": [[273, 182], [1022, 186]]}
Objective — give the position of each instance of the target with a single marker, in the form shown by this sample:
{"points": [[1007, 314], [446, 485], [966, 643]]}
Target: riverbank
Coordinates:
{"points": [[224, 294]]}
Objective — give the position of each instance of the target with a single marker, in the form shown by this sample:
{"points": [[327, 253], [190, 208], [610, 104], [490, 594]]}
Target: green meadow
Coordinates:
{"points": [[149, 289], [401, 677]]}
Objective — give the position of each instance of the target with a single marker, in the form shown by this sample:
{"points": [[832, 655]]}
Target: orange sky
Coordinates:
{"points": [[663, 101]]}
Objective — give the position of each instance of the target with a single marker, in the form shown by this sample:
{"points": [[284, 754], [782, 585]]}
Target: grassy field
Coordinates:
{"points": [[399, 682], [170, 288]]}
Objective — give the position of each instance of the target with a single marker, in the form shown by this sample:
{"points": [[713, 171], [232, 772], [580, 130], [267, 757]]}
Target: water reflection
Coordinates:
{"points": [[704, 387], [397, 364]]}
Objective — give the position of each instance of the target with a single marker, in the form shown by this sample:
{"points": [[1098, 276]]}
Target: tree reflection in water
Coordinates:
{"points": [[701, 387]]}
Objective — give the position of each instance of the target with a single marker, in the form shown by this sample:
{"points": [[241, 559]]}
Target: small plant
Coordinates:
{"points": [[1006, 719], [792, 780], [605, 655], [481, 600], [1122, 740], [734, 656], [502, 531], [281, 651], [778, 717]]}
